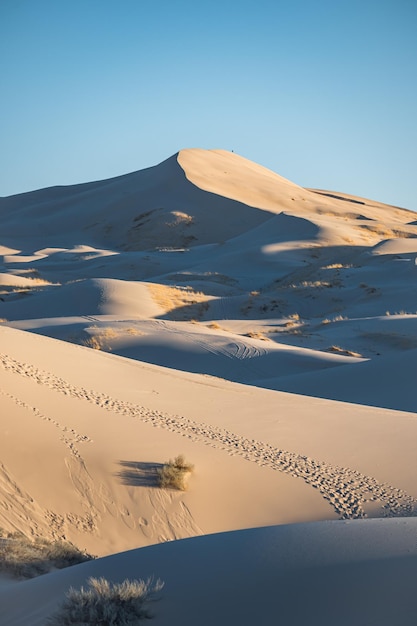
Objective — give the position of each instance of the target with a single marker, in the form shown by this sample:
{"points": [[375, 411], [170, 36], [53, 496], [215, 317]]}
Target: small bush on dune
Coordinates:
{"points": [[118, 604], [254, 334], [62, 554], [25, 558], [172, 475], [338, 350]]}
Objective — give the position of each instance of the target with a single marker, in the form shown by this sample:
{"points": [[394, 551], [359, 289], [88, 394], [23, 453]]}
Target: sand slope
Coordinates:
{"points": [[100, 430], [390, 382], [297, 574]]}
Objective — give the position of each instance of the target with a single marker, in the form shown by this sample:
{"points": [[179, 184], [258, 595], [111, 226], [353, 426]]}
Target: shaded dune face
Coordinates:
{"points": [[194, 197], [146, 209]]}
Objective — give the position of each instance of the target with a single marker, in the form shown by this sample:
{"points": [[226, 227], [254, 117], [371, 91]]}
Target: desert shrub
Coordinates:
{"points": [[337, 318], [254, 334], [339, 350], [25, 558], [92, 342], [118, 604], [172, 475], [214, 326], [337, 266]]}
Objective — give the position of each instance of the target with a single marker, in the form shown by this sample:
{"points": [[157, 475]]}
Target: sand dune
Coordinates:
{"points": [[362, 571], [208, 306], [390, 382]]}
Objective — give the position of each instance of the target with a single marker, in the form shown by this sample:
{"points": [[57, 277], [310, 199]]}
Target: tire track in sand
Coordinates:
{"points": [[348, 491]]}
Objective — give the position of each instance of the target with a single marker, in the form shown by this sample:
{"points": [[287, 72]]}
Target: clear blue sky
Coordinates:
{"points": [[324, 92]]}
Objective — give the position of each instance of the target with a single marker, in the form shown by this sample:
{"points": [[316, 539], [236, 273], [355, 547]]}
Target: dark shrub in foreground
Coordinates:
{"points": [[26, 558], [118, 604]]}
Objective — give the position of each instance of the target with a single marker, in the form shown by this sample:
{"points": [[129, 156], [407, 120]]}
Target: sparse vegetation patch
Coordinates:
{"points": [[253, 334], [339, 350], [21, 557], [173, 475], [101, 339], [180, 303], [117, 604], [214, 326], [316, 284], [337, 266], [338, 318]]}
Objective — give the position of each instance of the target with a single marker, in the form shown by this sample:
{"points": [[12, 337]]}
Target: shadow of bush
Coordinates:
{"points": [[139, 474]]}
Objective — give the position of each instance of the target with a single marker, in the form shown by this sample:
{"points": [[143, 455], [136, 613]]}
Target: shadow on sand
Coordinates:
{"points": [[139, 474]]}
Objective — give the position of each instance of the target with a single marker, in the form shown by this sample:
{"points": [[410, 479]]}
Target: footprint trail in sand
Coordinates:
{"points": [[19, 509], [348, 491]]}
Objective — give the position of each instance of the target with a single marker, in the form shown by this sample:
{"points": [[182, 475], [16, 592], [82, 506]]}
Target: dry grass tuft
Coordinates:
{"points": [[108, 604], [214, 326], [134, 331], [338, 318], [102, 337], [173, 475], [387, 233], [254, 334], [337, 266], [339, 350], [180, 218], [21, 557], [39, 281], [96, 343], [316, 284], [181, 303]]}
